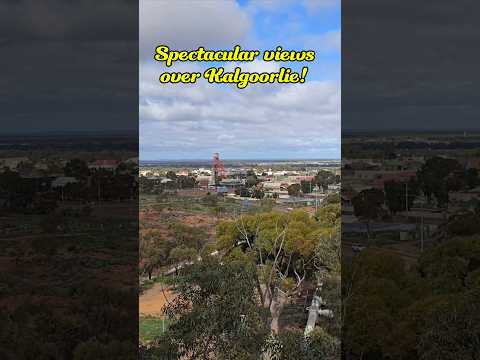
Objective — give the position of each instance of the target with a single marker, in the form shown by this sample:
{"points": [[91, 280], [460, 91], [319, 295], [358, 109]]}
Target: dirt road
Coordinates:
{"points": [[153, 300]]}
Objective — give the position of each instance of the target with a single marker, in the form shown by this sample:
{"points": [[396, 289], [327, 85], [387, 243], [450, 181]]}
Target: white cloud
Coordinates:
{"points": [[330, 41], [316, 5], [298, 120], [312, 6], [185, 24], [258, 66], [264, 120]]}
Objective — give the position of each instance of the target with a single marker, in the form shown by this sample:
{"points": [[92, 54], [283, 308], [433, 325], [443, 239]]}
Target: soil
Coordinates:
{"points": [[153, 300]]}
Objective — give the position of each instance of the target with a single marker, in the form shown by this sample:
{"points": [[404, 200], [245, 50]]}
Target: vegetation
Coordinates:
{"points": [[158, 250], [294, 190], [399, 196], [283, 249], [325, 178], [231, 295], [367, 206], [425, 312], [438, 176], [43, 321], [214, 316], [398, 302], [150, 327]]}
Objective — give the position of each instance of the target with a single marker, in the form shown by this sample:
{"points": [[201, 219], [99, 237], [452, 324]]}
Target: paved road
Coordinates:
{"points": [[411, 253]]}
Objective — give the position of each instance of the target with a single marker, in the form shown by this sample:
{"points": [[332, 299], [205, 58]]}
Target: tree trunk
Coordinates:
{"points": [[278, 303]]}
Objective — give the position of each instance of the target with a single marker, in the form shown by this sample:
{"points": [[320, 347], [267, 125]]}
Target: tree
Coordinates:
{"points": [[182, 253], [472, 180], [367, 206], [329, 215], [258, 193], [19, 192], [327, 262], [9, 181], [121, 168], [437, 179], [77, 168], [332, 198], [154, 252], [325, 178], [450, 327], [186, 182], [242, 191], [282, 246], [429, 311], [215, 314], [399, 195], [252, 179], [464, 223], [322, 345], [182, 243], [120, 187], [95, 350], [146, 185], [294, 189], [372, 296], [171, 175], [293, 345], [307, 186]]}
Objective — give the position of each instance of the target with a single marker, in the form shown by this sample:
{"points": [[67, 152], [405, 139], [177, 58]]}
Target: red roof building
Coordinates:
{"points": [[402, 176], [104, 164]]}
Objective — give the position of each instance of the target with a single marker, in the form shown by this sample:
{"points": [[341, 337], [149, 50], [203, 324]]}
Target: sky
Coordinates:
{"points": [[69, 68], [410, 65], [73, 66], [273, 121]]}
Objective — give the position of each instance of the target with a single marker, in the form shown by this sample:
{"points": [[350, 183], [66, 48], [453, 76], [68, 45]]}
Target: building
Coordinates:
{"points": [[231, 184], [13, 162], [110, 165], [63, 181], [399, 176], [203, 181]]}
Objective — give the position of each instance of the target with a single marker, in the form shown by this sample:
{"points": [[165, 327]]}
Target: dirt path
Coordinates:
{"points": [[153, 300]]}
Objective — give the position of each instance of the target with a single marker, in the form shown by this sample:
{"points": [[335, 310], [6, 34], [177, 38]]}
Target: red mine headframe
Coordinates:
{"points": [[218, 167]]}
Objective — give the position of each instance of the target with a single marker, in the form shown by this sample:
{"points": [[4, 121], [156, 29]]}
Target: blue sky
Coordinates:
{"points": [[192, 121]]}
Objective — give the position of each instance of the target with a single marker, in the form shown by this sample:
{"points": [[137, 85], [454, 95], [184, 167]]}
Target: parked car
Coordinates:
{"points": [[358, 247]]}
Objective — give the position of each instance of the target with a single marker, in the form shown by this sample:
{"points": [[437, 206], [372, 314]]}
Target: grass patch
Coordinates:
{"points": [[150, 327]]}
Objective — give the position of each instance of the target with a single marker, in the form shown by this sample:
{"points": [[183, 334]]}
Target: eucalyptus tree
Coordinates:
{"points": [[214, 315], [287, 249]]}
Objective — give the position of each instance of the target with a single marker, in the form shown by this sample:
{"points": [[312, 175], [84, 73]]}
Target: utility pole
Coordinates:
{"points": [[421, 233], [98, 189], [406, 197]]}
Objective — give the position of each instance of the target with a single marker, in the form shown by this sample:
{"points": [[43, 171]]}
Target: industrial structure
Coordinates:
{"points": [[218, 171]]}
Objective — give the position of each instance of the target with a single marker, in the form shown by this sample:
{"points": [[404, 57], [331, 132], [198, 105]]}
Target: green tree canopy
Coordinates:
{"points": [[215, 314], [367, 205]]}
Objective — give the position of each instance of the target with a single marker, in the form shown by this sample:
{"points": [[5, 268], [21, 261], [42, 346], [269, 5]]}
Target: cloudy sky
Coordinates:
{"points": [[410, 65], [262, 121], [67, 68]]}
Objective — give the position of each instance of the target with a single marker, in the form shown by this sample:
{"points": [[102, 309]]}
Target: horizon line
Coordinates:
{"points": [[246, 159]]}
